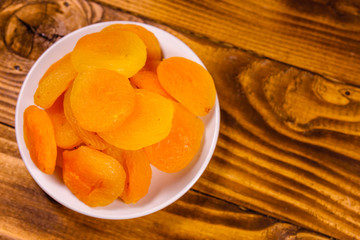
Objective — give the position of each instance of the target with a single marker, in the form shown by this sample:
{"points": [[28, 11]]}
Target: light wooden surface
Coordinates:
{"points": [[287, 164]]}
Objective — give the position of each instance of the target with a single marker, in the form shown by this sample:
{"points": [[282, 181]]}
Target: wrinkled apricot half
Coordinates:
{"points": [[39, 138], [54, 82], [120, 51], [93, 177], [91, 139], [148, 80], [149, 123], [65, 136], [151, 42], [101, 99], [138, 173], [177, 150], [138, 170], [189, 83]]}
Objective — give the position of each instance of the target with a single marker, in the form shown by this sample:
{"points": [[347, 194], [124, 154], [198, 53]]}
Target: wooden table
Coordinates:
{"points": [[287, 162]]}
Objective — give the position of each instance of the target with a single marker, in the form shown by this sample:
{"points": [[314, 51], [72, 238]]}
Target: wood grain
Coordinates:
{"points": [[288, 139], [320, 36]]}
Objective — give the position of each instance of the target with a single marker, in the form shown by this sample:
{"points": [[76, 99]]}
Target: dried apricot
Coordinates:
{"points": [[138, 173], [54, 82], [121, 51], [138, 170], [148, 80], [65, 136], [149, 123], [177, 150], [101, 99], [39, 138], [91, 139], [95, 178], [151, 42], [151, 65], [115, 152], [189, 83]]}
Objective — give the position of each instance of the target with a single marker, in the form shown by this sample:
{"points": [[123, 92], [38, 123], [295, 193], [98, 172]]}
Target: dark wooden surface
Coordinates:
{"points": [[287, 163]]}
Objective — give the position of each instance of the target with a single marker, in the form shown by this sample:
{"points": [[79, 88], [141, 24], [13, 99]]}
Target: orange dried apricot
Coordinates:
{"points": [[115, 152], [121, 51], [138, 173], [101, 99], [39, 138], [65, 136], [148, 124], [95, 178], [148, 80], [177, 150], [189, 83], [151, 42], [138, 170], [151, 65], [54, 82], [91, 139]]}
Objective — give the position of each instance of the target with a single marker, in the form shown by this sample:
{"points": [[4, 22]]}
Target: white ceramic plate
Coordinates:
{"points": [[165, 188]]}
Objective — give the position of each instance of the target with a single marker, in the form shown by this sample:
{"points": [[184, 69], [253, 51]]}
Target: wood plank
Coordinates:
{"points": [[8, 141], [320, 36], [260, 163]]}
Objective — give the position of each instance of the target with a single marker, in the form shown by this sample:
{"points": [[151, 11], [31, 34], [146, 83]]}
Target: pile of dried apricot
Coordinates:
{"points": [[113, 107]]}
